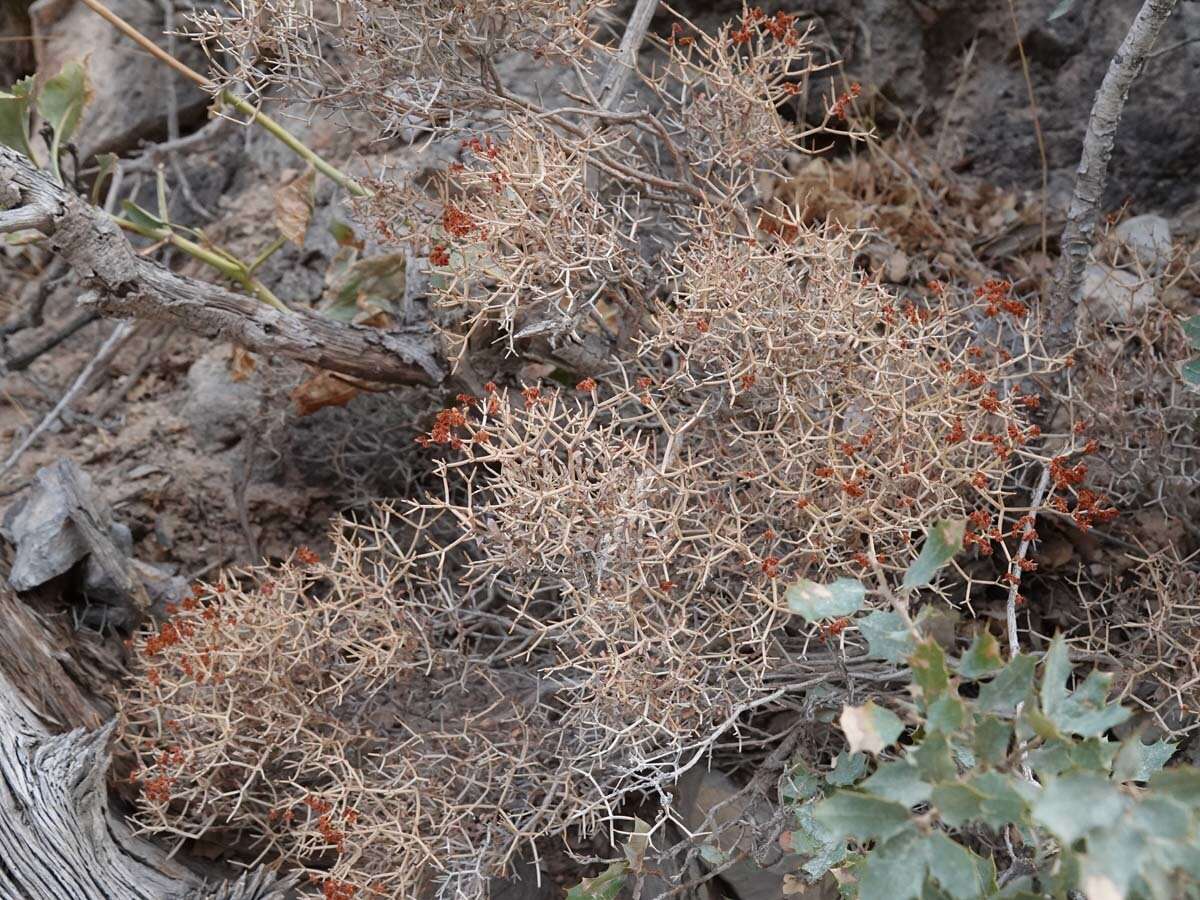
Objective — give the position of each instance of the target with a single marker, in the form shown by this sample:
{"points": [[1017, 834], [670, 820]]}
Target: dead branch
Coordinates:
{"points": [[122, 284], [1092, 174], [625, 63]]}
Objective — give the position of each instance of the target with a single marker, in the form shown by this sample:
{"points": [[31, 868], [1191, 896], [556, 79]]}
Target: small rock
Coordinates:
{"points": [[113, 609], [1148, 238], [896, 269], [218, 407], [1111, 295], [47, 542]]}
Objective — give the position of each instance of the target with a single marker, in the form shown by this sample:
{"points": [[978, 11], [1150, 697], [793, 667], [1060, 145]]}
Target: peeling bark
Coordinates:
{"points": [[122, 284]]}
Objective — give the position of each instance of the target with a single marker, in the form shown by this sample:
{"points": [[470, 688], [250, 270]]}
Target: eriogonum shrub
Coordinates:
{"points": [[593, 591], [627, 542], [318, 713]]}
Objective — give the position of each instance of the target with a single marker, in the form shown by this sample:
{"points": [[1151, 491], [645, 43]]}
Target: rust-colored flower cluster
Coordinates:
{"points": [[840, 106], [996, 294]]}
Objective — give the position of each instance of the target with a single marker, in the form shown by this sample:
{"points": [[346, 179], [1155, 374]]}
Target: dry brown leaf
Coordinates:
{"points": [[294, 206], [321, 390], [241, 364]]}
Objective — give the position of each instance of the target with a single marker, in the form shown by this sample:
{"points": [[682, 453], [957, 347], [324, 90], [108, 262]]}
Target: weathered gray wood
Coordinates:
{"points": [[58, 838], [121, 284], [1092, 174]]}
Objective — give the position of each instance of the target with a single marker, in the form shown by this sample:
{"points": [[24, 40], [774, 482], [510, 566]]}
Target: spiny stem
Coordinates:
{"points": [[257, 116]]}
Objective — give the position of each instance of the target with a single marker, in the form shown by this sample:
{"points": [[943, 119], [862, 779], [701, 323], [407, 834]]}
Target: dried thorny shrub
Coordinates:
{"points": [[1147, 610], [405, 63], [523, 245], [315, 713], [1125, 385], [730, 89], [591, 593], [625, 542]]}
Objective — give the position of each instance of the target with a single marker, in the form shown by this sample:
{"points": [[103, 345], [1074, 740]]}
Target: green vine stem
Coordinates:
{"points": [[225, 263], [256, 115]]}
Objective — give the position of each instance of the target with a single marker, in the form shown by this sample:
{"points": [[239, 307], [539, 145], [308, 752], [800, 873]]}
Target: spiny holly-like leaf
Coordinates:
{"points": [[862, 816], [604, 886], [992, 737], [1138, 762], [1114, 857], [928, 664], [812, 839], [946, 715], [1180, 782], [895, 870], [801, 783], [1050, 759], [847, 769], [1163, 818], [982, 658], [869, 727], [14, 116], [1072, 805], [935, 759], [958, 871], [1094, 754], [1002, 800], [888, 638], [1086, 711], [900, 781], [817, 602], [958, 804], [942, 542], [1011, 685]]}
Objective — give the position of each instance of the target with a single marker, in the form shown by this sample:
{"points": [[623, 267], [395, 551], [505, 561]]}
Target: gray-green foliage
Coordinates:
{"points": [[995, 754], [1191, 368], [995, 750]]}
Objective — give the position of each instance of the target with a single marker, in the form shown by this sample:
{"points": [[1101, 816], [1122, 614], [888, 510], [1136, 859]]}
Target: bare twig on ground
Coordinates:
{"points": [[33, 300], [125, 285], [1092, 174], [106, 352], [26, 358], [155, 344]]}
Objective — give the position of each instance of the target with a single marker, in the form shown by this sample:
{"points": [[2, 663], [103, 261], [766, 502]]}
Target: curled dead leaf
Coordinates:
{"points": [[241, 364], [321, 390], [294, 207]]}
